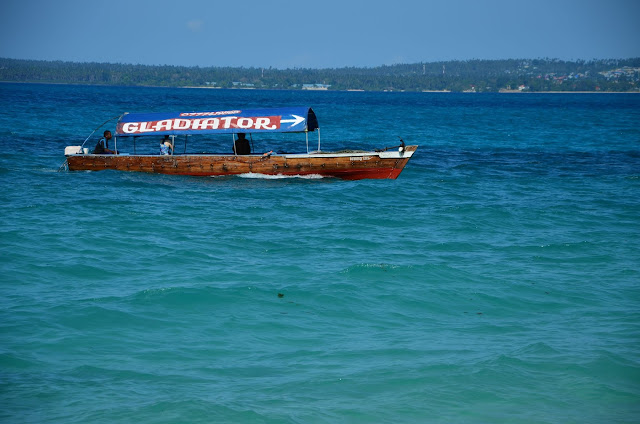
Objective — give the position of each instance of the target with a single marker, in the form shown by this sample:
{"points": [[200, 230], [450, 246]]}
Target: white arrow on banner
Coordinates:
{"points": [[295, 121]]}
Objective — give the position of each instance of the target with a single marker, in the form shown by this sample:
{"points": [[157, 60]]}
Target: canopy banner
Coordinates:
{"points": [[287, 119]]}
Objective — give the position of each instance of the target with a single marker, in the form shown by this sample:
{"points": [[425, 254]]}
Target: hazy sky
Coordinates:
{"points": [[316, 34]]}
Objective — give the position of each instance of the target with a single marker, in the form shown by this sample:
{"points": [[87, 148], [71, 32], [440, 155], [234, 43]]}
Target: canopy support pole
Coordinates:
{"points": [[306, 133], [110, 119], [318, 139]]}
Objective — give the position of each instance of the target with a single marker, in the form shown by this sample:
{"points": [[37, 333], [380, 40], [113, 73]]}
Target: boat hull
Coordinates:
{"points": [[348, 166]]}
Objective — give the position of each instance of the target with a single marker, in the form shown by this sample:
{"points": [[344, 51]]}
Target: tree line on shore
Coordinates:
{"points": [[535, 75]]}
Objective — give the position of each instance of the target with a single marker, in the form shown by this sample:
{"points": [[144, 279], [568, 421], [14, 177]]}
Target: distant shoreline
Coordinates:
{"points": [[422, 91], [531, 75], [337, 91], [566, 92]]}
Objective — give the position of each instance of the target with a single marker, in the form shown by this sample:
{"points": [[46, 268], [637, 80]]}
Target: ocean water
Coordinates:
{"points": [[497, 280]]}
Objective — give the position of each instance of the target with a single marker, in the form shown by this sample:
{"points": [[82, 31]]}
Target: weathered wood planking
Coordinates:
{"points": [[358, 166]]}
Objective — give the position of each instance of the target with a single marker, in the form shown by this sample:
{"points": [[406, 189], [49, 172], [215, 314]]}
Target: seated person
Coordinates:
{"points": [[102, 148], [241, 146], [166, 147]]}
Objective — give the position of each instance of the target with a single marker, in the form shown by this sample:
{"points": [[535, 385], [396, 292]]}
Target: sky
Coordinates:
{"points": [[322, 34]]}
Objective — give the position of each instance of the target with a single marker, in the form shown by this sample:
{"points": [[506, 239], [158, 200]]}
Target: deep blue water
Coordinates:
{"points": [[497, 280]]}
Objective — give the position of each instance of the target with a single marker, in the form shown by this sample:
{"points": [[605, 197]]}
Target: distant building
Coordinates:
{"points": [[237, 84], [626, 71], [315, 86]]}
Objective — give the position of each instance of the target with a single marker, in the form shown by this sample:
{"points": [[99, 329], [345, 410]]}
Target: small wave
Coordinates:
{"points": [[368, 266], [254, 175], [419, 271]]}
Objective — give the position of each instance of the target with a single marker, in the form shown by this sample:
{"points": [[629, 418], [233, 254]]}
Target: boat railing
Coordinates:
{"points": [[400, 147]]}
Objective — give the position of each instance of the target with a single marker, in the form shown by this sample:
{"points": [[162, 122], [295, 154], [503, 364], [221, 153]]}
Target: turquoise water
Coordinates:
{"points": [[497, 280]]}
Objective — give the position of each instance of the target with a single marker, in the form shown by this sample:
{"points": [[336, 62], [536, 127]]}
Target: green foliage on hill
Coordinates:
{"points": [[472, 75]]}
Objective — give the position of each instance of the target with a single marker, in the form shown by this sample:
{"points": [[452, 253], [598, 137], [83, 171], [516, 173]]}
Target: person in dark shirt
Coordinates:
{"points": [[241, 146], [102, 148]]}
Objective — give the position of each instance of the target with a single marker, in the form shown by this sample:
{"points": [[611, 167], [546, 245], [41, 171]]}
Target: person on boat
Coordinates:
{"points": [[102, 148], [166, 147], [241, 146]]}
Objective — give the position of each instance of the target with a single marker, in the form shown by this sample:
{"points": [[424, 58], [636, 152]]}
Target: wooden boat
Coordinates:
{"points": [[136, 132]]}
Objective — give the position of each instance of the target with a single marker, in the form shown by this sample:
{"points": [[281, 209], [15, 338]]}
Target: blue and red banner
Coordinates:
{"points": [[288, 119]]}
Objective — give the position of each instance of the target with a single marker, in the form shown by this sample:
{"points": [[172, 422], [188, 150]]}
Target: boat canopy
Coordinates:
{"points": [[286, 119]]}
